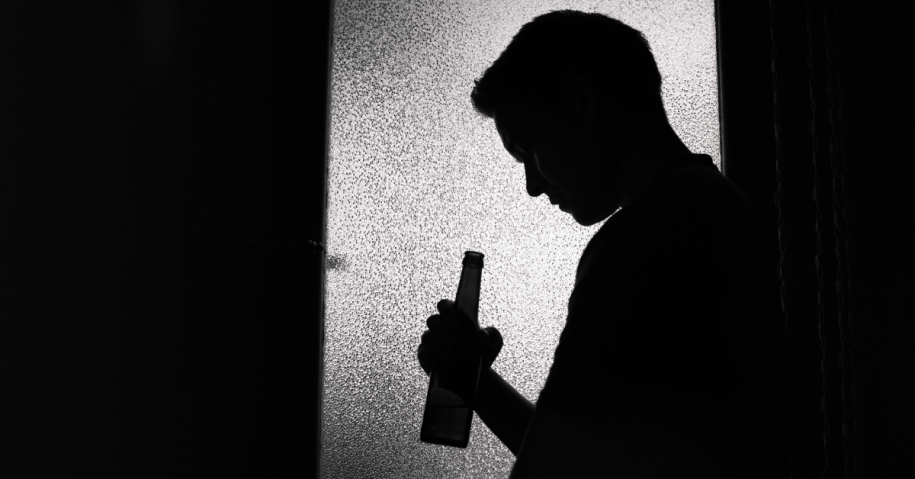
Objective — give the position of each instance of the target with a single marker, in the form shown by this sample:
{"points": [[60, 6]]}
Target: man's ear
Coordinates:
{"points": [[580, 97]]}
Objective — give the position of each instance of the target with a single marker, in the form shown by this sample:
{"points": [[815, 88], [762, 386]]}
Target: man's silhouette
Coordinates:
{"points": [[671, 362]]}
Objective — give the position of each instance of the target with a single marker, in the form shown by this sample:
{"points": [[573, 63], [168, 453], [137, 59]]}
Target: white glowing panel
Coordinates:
{"points": [[417, 177]]}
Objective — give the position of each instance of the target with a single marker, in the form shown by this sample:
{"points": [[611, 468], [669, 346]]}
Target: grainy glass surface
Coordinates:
{"points": [[416, 178]]}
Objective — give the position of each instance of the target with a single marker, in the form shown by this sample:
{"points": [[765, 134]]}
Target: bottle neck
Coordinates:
{"points": [[468, 294]]}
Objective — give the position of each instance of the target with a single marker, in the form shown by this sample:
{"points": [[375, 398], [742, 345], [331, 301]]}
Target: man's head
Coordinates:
{"points": [[613, 56], [574, 96]]}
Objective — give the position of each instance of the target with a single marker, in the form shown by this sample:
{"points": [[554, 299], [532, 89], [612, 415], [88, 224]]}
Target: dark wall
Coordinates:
{"points": [[834, 117], [878, 101], [145, 145]]}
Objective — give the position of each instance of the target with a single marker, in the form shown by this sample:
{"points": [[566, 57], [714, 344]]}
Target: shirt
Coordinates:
{"points": [[674, 323]]}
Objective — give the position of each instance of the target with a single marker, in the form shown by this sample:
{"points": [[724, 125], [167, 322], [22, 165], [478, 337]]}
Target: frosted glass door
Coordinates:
{"points": [[417, 177]]}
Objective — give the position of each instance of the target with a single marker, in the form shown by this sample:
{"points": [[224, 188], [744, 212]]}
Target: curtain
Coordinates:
{"points": [[814, 222]]}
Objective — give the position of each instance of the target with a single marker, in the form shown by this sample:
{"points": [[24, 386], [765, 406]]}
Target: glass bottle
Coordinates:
{"points": [[447, 417]]}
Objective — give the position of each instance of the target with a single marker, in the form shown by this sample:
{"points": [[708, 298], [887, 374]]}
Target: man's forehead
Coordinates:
{"points": [[510, 122], [509, 113], [499, 119], [511, 134]]}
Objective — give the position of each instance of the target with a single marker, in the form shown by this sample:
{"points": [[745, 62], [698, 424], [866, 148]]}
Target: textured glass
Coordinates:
{"points": [[417, 177]]}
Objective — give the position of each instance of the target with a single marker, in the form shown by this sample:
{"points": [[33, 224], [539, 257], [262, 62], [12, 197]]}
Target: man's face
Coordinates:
{"points": [[569, 159]]}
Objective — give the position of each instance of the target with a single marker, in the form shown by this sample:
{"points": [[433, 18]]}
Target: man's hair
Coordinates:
{"points": [[615, 57]]}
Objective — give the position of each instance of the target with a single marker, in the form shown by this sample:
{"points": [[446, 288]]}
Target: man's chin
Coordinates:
{"points": [[583, 220], [587, 220]]}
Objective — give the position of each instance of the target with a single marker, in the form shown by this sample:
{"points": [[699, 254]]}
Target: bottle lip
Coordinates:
{"points": [[473, 258]]}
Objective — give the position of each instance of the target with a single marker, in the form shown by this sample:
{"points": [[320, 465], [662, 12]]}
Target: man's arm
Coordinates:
{"points": [[503, 409]]}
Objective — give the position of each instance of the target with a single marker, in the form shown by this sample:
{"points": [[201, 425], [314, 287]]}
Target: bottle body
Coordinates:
{"points": [[447, 417]]}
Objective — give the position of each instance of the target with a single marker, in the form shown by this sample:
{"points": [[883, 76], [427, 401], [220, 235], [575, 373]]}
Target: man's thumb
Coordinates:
{"points": [[491, 341]]}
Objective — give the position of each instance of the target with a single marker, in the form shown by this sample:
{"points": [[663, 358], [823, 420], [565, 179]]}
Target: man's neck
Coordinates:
{"points": [[645, 162]]}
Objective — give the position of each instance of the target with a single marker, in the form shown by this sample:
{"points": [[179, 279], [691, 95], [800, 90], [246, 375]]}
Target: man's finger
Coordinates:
{"points": [[429, 364], [449, 313], [445, 306], [482, 337], [439, 346]]}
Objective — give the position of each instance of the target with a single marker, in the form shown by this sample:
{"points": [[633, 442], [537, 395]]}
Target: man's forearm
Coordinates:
{"points": [[503, 409]]}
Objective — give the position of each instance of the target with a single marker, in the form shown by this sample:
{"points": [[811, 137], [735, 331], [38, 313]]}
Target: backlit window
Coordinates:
{"points": [[417, 177]]}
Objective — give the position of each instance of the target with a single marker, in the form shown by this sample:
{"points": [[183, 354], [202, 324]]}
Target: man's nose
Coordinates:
{"points": [[535, 183]]}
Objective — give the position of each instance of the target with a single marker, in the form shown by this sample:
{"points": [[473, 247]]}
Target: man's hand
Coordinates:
{"points": [[504, 411], [453, 341]]}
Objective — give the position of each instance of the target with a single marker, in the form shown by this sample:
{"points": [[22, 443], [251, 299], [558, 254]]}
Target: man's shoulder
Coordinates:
{"points": [[691, 204]]}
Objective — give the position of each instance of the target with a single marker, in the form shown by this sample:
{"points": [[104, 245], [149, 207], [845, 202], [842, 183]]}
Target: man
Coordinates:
{"points": [[672, 359]]}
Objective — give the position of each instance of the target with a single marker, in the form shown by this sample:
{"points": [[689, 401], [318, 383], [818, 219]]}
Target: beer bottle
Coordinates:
{"points": [[447, 417]]}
